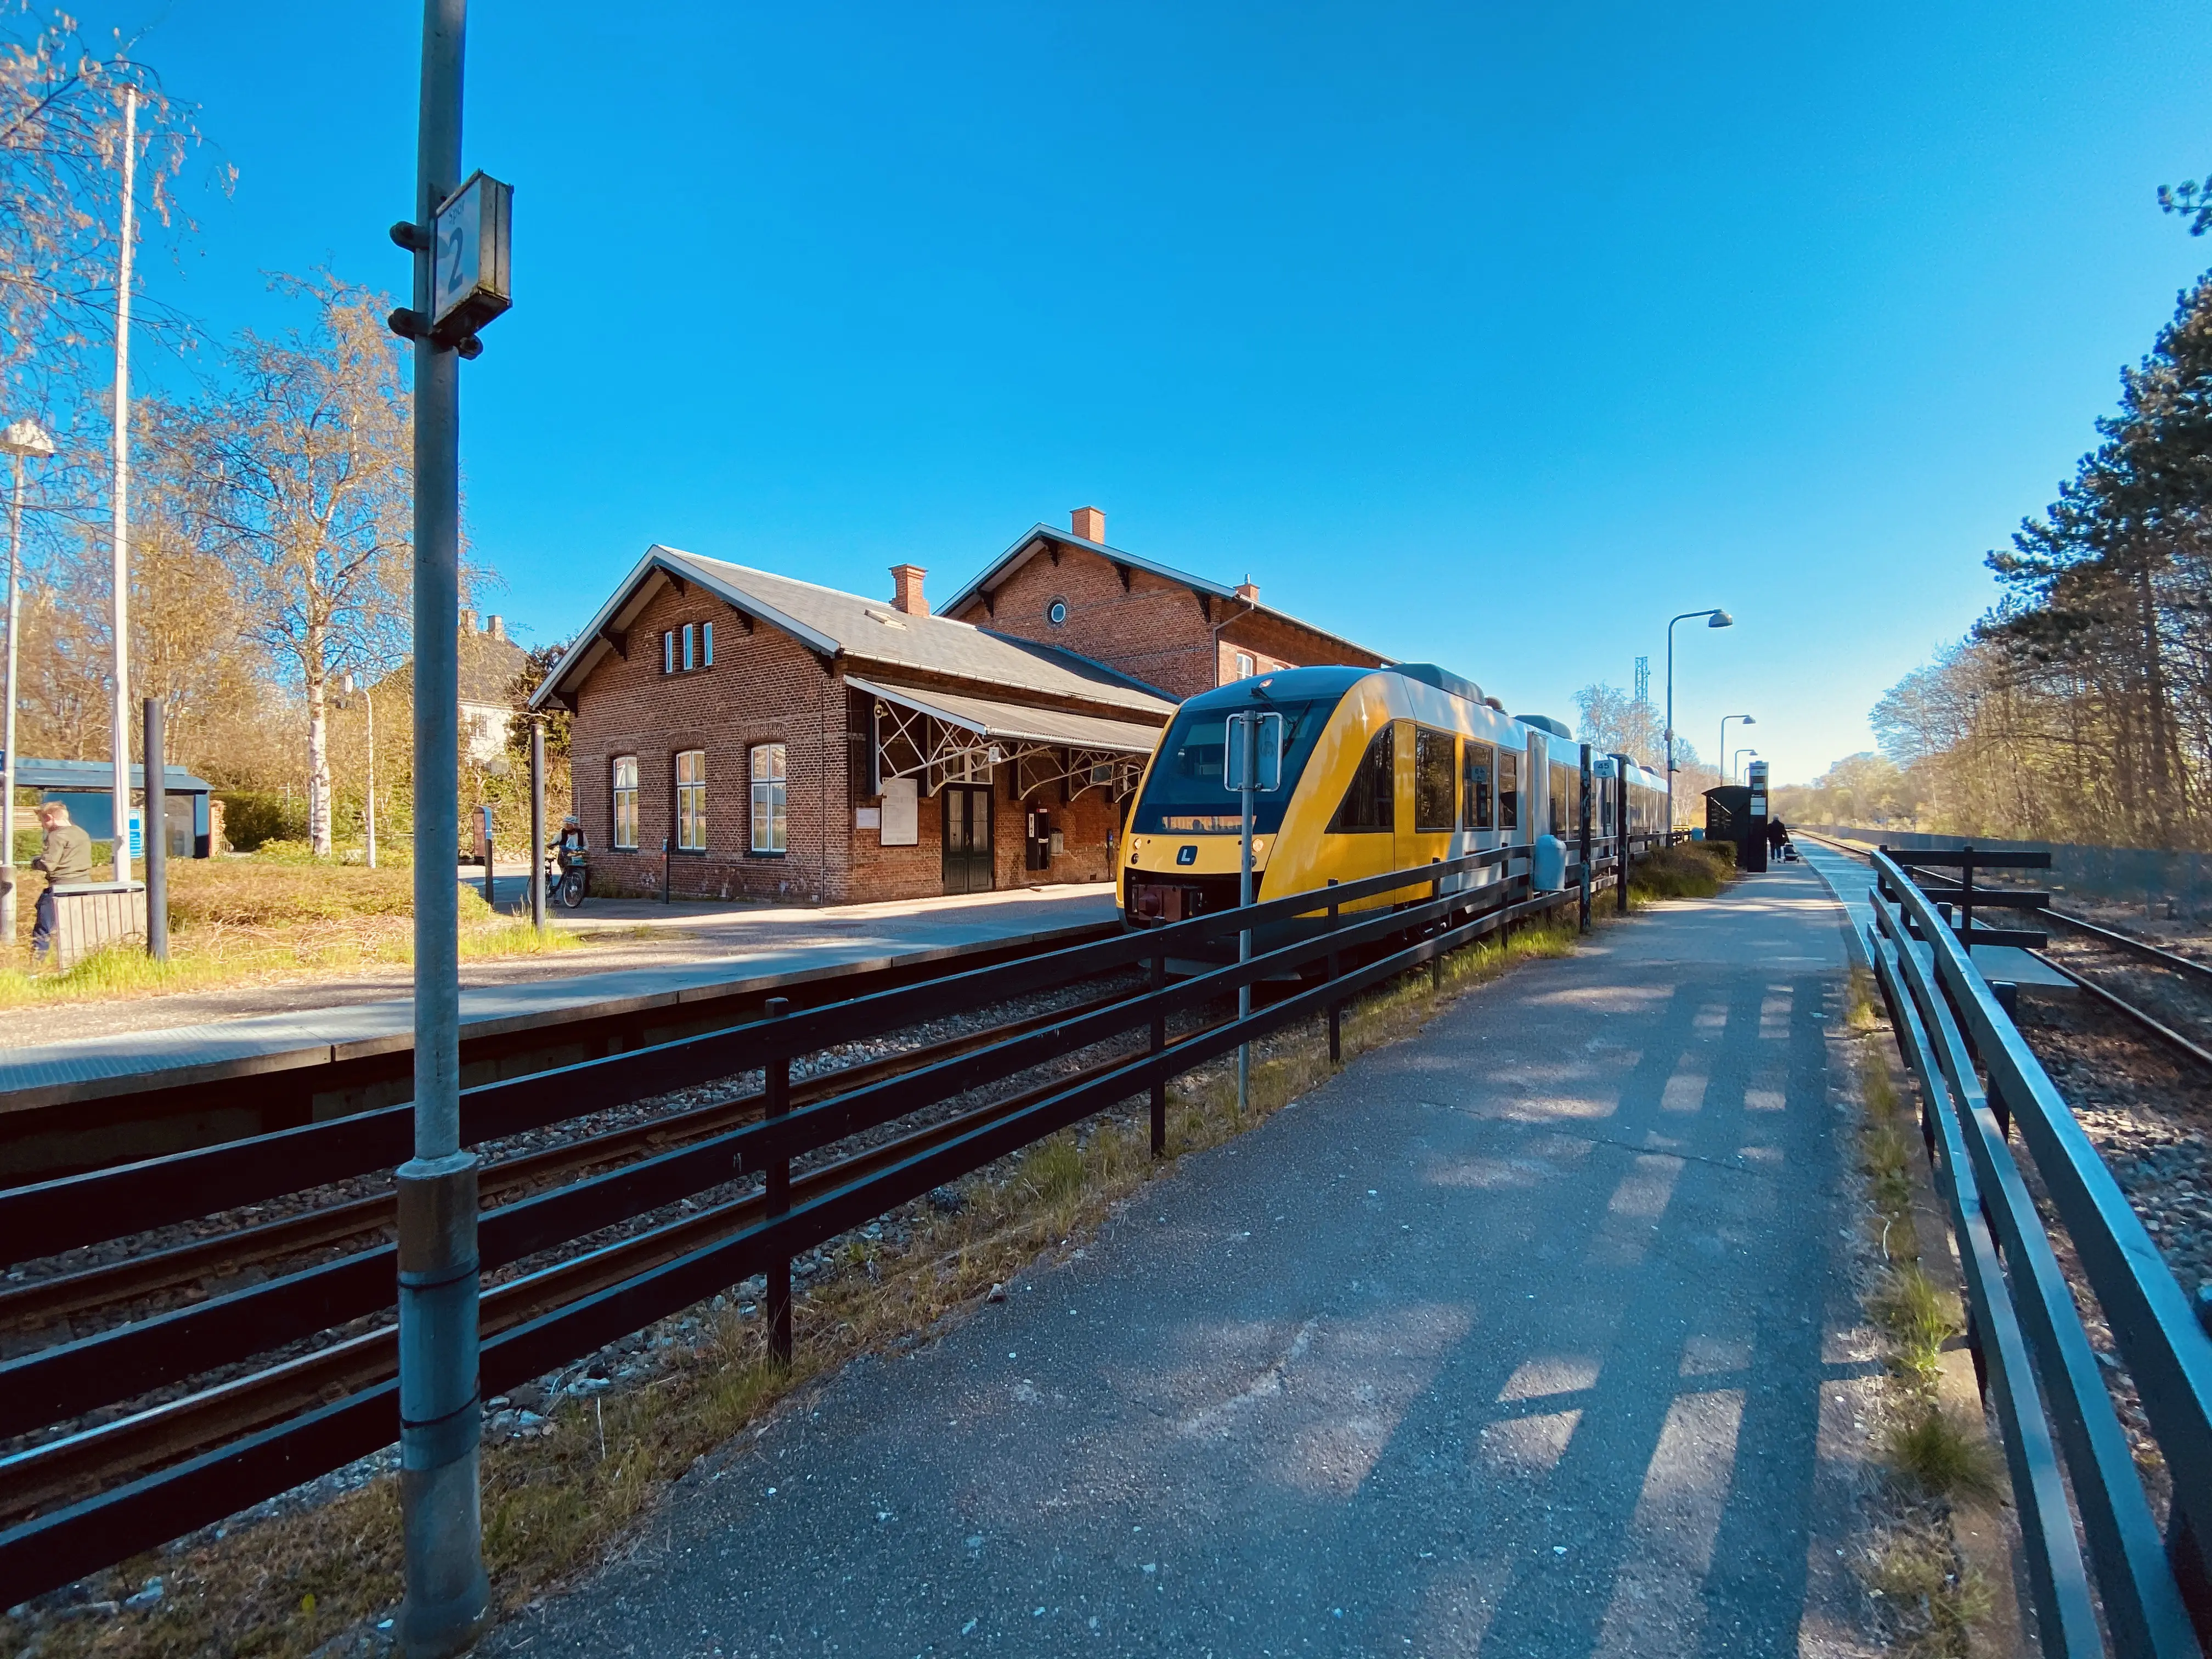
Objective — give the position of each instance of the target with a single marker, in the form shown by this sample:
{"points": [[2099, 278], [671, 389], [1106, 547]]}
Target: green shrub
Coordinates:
{"points": [[250, 818]]}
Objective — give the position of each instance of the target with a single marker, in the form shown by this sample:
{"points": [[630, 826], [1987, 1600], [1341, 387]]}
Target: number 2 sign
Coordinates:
{"points": [[469, 257]]}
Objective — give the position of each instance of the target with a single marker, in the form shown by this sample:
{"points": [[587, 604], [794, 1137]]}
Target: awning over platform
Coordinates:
{"points": [[1019, 723]]}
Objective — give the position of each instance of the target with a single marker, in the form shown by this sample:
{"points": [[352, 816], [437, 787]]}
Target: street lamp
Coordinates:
{"points": [[1713, 619], [1723, 750], [1735, 767], [348, 689], [21, 438]]}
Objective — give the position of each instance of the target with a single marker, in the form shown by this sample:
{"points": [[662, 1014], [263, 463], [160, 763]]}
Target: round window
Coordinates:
{"points": [[1056, 613]]}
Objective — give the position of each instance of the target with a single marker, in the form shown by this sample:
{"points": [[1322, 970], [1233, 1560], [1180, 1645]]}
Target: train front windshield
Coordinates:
{"points": [[1184, 795]]}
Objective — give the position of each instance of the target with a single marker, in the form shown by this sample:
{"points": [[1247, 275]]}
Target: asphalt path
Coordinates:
{"points": [[1530, 1335]]}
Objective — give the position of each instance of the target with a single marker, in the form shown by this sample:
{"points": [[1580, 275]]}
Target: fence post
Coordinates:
{"points": [[1583, 842], [1159, 1043], [538, 822], [1966, 899], [1620, 845], [1335, 1008], [1442, 925], [156, 816], [775, 1085]]}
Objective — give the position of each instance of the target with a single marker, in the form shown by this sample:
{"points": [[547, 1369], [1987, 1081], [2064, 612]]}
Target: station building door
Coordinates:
{"points": [[967, 838]]}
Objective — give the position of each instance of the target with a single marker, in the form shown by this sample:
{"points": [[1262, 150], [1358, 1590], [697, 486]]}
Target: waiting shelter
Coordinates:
{"points": [[87, 788]]}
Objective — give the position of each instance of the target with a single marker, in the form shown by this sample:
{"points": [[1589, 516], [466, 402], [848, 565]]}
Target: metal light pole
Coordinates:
{"points": [[1249, 737], [1723, 748], [1735, 766], [1713, 619], [121, 535], [21, 439], [349, 689], [440, 1415], [154, 746]]}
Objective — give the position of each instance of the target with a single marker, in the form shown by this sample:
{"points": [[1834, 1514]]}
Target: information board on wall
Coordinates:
{"points": [[902, 823]]}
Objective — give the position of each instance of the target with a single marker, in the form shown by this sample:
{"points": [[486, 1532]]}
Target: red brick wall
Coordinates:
{"points": [[763, 688], [766, 688], [1153, 630]]}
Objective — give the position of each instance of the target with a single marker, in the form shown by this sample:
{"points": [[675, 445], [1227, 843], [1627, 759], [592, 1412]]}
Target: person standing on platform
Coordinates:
{"points": [[1777, 835], [66, 857]]}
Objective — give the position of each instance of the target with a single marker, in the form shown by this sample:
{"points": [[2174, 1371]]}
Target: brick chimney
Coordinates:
{"points": [[468, 621], [496, 627], [1089, 523], [906, 590], [1248, 590]]}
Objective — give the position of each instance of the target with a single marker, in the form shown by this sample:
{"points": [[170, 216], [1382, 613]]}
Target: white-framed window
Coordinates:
{"points": [[668, 652], [705, 645], [690, 647], [1244, 666], [625, 783], [691, 800], [769, 831]]}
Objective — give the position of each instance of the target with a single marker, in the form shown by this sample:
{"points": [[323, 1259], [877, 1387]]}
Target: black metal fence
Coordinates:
{"points": [[98, 1495], [2092, 1545]]}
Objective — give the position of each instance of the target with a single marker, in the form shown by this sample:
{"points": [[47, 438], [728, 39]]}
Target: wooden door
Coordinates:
{"points": [[967, 838]]}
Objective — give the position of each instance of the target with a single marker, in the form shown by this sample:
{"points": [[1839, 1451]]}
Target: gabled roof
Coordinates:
{"points": [[837, 625], [1032, 541]]}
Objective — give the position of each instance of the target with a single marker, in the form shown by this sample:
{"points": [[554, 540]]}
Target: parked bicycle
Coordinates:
{"points": [[567, 872]]}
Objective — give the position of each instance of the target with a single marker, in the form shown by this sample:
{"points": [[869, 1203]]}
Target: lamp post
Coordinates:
{"points": [[349, 688], [1713, 619], [21, 439], [1735, 766], [1723, 748]]}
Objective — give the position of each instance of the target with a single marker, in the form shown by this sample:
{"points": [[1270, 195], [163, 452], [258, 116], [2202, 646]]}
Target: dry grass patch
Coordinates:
{"points": [[1688, 869]]}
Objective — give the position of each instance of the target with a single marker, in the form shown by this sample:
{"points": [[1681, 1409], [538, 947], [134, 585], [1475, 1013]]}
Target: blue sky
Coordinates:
{"points": [[1491, 334]]}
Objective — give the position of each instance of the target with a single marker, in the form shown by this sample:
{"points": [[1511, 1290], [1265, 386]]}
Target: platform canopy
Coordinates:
{"points": [[939, 735]]}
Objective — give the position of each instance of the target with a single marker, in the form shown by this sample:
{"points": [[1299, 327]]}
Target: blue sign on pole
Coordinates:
{"points": [[138, 838]]}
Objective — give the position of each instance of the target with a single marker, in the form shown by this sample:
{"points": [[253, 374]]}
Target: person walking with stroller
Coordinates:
{"points": [[66, 857], [1777, 836]]}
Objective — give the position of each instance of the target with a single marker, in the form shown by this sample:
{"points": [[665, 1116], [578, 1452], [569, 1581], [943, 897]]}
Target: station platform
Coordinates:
{"points": [[1533, 1333], [751, 947]]}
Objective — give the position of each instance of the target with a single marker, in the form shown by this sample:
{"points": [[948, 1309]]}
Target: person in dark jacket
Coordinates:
{"points": [[1777, 835], [67, 859]]}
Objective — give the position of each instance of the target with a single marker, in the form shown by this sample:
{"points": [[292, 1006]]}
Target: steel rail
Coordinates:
{"points": [[64, 1469], [2150, 1023], [2142, 948], [26, 1305]]}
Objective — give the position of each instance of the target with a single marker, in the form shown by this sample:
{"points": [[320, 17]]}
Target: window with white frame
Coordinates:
{"points": [[668, 652], [769, 831], [705, 645], [1243, 666], [691, 800], [625, 783], [690, 647]]}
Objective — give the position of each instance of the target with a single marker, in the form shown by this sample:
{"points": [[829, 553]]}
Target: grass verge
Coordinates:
{"points": [[553, 1504], [1932, 1599], [235, 919], [1688, 869]]}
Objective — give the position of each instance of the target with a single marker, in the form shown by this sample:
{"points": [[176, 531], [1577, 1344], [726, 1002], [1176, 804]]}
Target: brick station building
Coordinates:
{"points": [[739, 735]]}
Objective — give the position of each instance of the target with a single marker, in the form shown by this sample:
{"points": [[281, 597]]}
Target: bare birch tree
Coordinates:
{"points": [[301, 481]]}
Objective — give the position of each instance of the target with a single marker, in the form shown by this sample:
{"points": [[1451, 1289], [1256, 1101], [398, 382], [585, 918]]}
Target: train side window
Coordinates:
{"points": [[1475, 804], [1371, 802], [1509, 790], [1432, 779], [1567, 784]]}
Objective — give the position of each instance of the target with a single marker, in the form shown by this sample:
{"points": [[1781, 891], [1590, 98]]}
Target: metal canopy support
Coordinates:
{"points": [[909, 744]]}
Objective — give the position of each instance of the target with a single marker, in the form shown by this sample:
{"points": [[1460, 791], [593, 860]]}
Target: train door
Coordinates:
{"points": [[967, 837], [1405, 846]]}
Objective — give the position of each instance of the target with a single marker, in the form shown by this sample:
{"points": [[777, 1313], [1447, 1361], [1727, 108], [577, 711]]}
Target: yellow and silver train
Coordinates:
{"points": [[1383, 770]]}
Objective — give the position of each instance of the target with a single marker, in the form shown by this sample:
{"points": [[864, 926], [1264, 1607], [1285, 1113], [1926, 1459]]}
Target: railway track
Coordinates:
{"points": [[96, 1458], [116, 1285]]}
